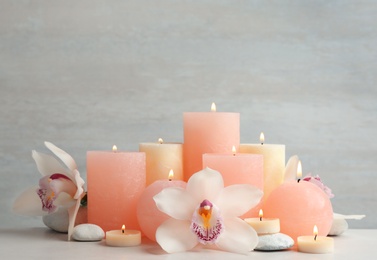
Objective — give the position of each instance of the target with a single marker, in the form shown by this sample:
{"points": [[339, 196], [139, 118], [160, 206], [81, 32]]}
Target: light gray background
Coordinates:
{"points": [[89, 74]]}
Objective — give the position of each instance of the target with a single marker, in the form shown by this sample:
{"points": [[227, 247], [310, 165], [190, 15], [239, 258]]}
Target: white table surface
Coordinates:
{"points": [[42, 243]]}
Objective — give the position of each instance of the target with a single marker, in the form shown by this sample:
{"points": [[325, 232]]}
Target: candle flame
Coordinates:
{"points": [[315, 232], [260, 214], [160, 141], [171, 174], [123, 228], [234, 150], [213, 107], [299, 170], [261, 137], [115, 148]]}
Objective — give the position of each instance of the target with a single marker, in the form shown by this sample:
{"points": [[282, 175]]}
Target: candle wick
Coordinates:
{"points": [[122, 231], [261, 143], [169, 179], [298, 180], [315, 237], [260, 218]]}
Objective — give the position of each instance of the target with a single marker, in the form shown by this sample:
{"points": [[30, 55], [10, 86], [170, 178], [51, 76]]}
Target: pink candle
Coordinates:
{"points": [[300, 206], [115, 183], [207, 132], [237, 168], [147, 213]]}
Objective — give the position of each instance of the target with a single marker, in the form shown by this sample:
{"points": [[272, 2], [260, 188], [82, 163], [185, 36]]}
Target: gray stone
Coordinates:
{"points": [[58, 221], [339, 225], [274, 242], [88, 232]]}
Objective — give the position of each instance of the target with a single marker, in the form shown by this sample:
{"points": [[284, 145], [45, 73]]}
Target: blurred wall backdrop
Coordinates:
{"points": [[89, 74]]}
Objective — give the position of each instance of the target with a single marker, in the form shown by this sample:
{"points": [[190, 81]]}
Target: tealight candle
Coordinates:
{"points": [[123, 237], [315, 244], [264, 226]]}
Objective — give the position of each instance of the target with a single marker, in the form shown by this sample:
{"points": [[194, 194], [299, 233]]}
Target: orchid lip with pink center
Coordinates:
{"points": [[207, 223], [47, 194]]}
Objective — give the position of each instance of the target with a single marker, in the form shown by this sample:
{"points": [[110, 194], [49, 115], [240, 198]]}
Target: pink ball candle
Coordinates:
{"points": [[148, 215], [115, 183], [207, 132], [299, 206]]}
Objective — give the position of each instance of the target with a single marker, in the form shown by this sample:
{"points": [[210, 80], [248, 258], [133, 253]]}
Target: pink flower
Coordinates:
{"points": [[60, 186], [206, 213], [317, 181]]}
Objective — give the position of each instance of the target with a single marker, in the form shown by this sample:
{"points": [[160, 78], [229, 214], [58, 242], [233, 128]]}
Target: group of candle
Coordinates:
{"points": [[121, 185]]}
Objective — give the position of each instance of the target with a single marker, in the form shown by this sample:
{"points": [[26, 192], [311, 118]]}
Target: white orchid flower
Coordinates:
{"points": [[207, 213], [60, 186]]}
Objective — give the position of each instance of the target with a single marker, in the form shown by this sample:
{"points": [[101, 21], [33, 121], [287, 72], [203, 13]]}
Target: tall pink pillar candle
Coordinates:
{"points": [[300, 206], [160, 158], [149, 216], [274, 163], [207, 132], [115, 183], [238, 168]]}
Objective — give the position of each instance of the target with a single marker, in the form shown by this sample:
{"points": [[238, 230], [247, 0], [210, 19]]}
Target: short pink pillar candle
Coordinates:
{"points": [[207, 132], [115, 183], [238, 168], [300, 206], [148, 215]]}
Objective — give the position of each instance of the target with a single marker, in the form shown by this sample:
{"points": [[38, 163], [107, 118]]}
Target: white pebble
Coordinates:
{"points": [[274, 242], [88, 232]]}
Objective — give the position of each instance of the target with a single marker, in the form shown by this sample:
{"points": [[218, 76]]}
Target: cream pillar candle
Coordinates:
{"points": [[274, 162], [123, 237], [160, 158], [264, 226], [115, 183], [207, 132], [315, 244]]}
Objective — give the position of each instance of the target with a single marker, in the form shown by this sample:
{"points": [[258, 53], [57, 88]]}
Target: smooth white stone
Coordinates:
{"points": [[274, 242], [58, 220], [88, 232], [339, 225]]}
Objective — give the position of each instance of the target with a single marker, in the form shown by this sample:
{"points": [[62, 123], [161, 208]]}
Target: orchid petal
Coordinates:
{"points": [[341, 216], [63, 185], [62, 155], [64, 200], [236, 200], [238, 237], [47, 164], [29, 203], [175, 202], [175, 236], [72, 213], [290, 172], [79, 183], [205, 184]]}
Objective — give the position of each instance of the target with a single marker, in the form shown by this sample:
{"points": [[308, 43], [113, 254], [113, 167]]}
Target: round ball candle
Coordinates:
{"points": [[299, 206], [264, 226], [315, 244], [273, 162], [115, 183], [207, 132], [149, 216], [123, 237], [160, 158]]}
